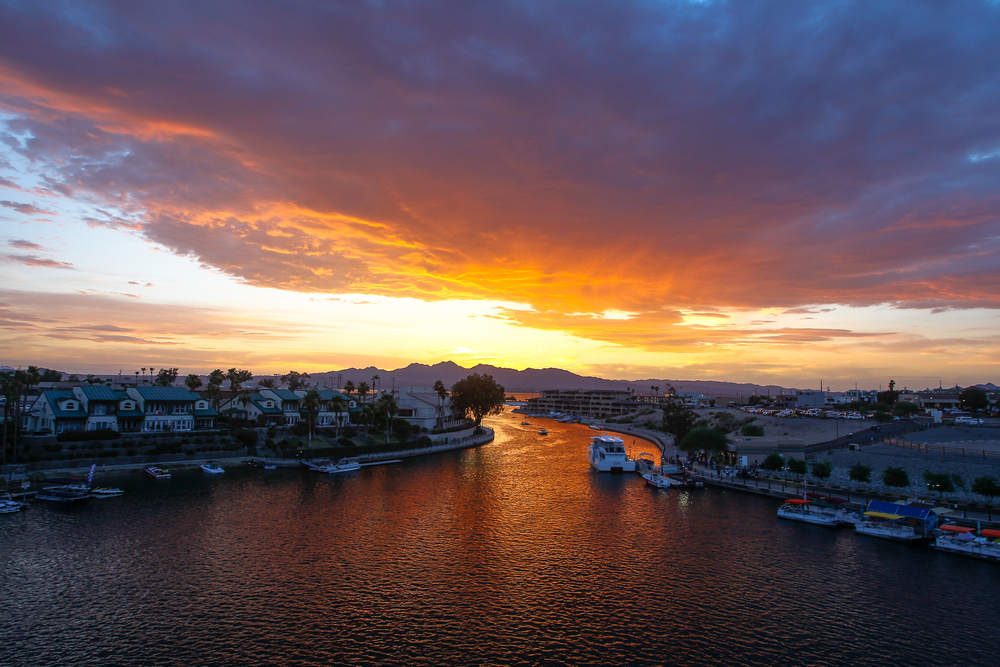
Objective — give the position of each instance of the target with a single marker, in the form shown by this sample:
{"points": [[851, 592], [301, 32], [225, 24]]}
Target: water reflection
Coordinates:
{"points": [[514, 551]]}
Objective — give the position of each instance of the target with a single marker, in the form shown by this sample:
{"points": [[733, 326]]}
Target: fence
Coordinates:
{"points": [[942, 449]]}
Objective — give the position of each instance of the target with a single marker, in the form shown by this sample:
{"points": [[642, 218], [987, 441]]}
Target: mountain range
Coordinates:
{"points": [[528, 380]]}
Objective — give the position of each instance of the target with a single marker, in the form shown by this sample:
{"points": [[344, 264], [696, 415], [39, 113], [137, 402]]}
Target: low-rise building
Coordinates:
{"points": [[583, 402], [165, 409], [287, 401]]}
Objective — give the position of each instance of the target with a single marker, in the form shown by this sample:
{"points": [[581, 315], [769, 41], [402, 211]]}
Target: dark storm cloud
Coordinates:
{"points": [[731, 154]]}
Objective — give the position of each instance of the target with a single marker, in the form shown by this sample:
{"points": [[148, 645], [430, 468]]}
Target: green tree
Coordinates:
{"points": [[51, 376], [267, 383], [860, 473], [216, 377], [973, 398], [166, 377], [349, 387], [310, 405], [797, 466], [905, 409], [703, 438], [477, 395], [752, 430], [822, 470], [940, 482], [236, 377], [294, 380], [193, 382], [774, 461], [678, 418], [896, 477], [989, 489]]}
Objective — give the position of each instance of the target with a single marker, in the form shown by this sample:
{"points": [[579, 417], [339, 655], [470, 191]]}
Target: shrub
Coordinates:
{"points": [[895, 477], [822, 470], [774, 461], [860, 473], [798, 466], [752, 430]]}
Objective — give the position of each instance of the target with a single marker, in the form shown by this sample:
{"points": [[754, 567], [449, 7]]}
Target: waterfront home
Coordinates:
{"points": [[329, 415], [165, 409], [56, 411], [100, 404], [287, 402], [260, 409], [421, 406]]}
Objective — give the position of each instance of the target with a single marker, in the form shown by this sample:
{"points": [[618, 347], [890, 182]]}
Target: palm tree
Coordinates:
{"points": [[339, 406], [310, 403], [243, 396], [442, 393], [387, 405], [363, 391], [349, 387], [193, 382]]}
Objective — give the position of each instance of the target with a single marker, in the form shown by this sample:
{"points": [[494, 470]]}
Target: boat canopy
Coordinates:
{"points": [[884, 515], [952, 528], [798, 501], [909, 511], [990, 532]]}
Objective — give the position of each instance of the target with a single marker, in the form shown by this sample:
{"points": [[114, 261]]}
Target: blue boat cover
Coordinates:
{"points": [[903, 510]]}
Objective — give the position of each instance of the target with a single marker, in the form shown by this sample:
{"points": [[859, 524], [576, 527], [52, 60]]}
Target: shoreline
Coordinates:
{"points": [[242, 459]]}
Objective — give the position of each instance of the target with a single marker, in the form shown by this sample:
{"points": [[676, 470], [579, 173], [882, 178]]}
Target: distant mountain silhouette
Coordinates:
{"points": [[529, 380]]}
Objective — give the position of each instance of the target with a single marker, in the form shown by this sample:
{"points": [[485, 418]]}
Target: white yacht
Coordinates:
{"points": [[607, 454], [212, 468]]}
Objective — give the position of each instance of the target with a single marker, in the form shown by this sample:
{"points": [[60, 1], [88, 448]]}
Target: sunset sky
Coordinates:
{"points": [[751, 191]]}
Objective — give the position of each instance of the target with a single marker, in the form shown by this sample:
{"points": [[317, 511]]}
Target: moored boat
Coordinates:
{"points": [[65, 493], [607, 454], [657, 479], [212, 468], [106, 492], [344, 465], [962, 540], [542, 431], [901, 523], [8, 505], [156, 472], [814, 512]]}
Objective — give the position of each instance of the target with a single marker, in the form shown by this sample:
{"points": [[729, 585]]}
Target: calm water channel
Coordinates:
{"points": [[514, 552]]}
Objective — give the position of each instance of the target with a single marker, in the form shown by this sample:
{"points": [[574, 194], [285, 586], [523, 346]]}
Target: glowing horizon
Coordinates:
{"points": [[640, 190]]}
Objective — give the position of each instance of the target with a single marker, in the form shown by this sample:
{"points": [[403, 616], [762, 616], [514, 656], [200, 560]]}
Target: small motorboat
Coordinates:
{"points": [[525, 423], [343, 465], [542, 431], [106, 492], [156, 472], [8, 505], [212, 468], [657, 479]]}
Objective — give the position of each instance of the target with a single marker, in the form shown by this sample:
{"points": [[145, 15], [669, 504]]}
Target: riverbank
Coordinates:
{"points": [[242, 458]]}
